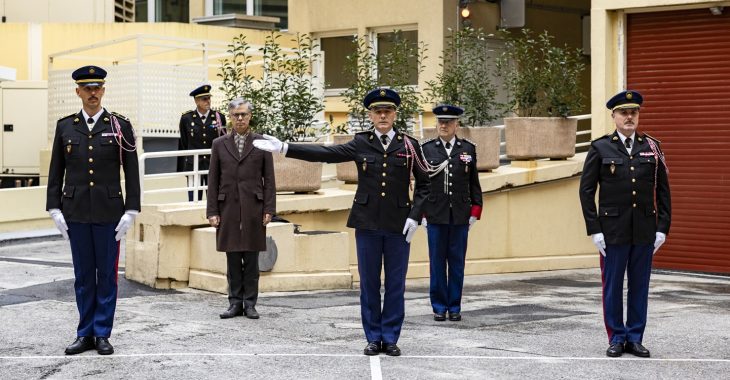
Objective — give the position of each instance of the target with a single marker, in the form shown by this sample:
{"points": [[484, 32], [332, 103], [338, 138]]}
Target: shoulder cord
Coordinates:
{"points": [[219, 126], [423, 163], [119, 137], [658, 156]]}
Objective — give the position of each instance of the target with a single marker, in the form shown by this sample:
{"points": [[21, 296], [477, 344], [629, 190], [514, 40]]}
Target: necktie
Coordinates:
{"points": [[90, 120], [448, 145], [384, 139], [628, 143]]}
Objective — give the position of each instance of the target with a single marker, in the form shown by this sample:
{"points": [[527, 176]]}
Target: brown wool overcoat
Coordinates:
{"points": [[240, 190]]}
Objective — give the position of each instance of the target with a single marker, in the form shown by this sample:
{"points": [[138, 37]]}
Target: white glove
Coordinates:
{"points": [[409, 229], [600, 243], [271, 144], [660, 238], [424, 222], [124, 223], [58, 218], [472, 220]]}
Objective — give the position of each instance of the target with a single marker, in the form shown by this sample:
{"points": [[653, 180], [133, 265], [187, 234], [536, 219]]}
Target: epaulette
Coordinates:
{"points": [[187, 112], [602, 137], [428, 141], [411, 137], [361, 132], [119, 116], [651, 137], [469, 141], [66, 117]]}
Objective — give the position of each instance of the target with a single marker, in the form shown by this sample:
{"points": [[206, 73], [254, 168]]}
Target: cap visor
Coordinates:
{"points": [[382, 105]]}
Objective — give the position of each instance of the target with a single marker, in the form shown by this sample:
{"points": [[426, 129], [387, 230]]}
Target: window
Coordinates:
{"points": [[387, 42], [271, 8], [140, 11], [164, 11], [336, 50], [222, 7]]}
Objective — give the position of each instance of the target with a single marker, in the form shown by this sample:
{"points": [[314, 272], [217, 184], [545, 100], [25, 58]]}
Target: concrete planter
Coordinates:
{"points": [[346, 171], [529, 138], [297, 175], [487, 140]]}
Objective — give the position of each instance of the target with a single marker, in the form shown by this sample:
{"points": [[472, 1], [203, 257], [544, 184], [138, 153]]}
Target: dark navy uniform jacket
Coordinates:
{"points": [[196, 133], [382, 200], [461, 195], [86, 163], [626, 212]]}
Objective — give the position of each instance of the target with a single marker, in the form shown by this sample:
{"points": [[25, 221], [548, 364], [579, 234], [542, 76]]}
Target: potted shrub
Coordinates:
{"points": [[544, 85], [465, 80], [393, 70], [284, 97]]}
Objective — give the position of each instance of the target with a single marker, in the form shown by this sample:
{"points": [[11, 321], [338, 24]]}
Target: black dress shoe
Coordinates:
{"points": [[81, 344], [391, 349], [251, 313], [637, 349], [615, 350], [454, 316], [440, 317], [233, 310], [373, 348], [103, 347]]}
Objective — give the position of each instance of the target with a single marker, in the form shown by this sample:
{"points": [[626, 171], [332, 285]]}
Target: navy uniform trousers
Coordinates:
{"points": [[637, 259], [447, 253], [95, 255], [375, 248]]}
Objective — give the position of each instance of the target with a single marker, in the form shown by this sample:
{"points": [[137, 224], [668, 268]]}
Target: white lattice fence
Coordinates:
{"points": [[151, 95]]}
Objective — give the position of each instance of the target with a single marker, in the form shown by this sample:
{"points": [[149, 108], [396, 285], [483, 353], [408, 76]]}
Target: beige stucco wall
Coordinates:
{"points": [[608, 30], [531, 221], [58, 11], [57, 37]]}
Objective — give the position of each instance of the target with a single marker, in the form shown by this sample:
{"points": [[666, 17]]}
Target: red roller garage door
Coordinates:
{"points": [[680, 62]]}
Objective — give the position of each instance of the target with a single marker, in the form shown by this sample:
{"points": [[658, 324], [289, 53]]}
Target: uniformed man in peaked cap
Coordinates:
{"points": [[632, 219], [383, 215], [454, 205], [85, 200], [198, 129]]}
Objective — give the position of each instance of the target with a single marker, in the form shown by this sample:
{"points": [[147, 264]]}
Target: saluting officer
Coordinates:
{"points": [[454, 205], [198, 129], [84, 198], [632, 219], [383, 215]]}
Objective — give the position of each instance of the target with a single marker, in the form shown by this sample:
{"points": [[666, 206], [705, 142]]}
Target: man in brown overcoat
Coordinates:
{"points": [[241, 201]]}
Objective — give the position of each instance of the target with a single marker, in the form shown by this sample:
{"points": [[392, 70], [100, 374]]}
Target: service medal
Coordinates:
{"points": [[68, 148], [613, 168]]}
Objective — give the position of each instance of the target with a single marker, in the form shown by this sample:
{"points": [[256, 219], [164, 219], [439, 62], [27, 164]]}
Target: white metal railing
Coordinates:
{"points": [[196, 186]]}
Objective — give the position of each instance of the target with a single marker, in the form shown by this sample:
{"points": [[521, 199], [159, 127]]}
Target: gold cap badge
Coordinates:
{"points": [[444, 109], [382, 92], [91, 70], [629, 95]]}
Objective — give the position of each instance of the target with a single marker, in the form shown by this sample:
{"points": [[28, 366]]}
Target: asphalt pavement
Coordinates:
{"points": [[545, 325]]}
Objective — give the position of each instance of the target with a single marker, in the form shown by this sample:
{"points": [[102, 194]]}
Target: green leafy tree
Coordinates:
{"points": [[466, 78], [394, 69], [284, 97], [543, 79]]}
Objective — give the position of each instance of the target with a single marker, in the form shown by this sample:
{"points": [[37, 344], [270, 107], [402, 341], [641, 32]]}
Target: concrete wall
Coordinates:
{"points": [[531, 221]]}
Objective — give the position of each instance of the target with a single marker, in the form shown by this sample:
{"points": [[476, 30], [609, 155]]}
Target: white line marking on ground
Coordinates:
{"points": [[375, 372], [450, 357]]}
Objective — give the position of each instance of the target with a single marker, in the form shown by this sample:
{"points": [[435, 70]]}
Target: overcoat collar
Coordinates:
{"points": [[230, 143]]}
